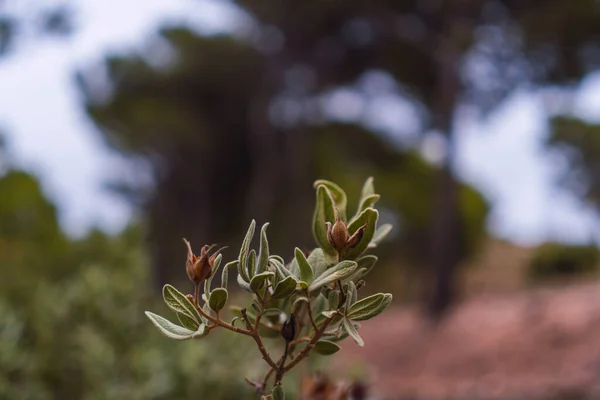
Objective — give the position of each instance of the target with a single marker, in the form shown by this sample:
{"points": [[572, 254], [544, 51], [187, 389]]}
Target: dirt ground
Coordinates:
{"points": [[542, 344]]}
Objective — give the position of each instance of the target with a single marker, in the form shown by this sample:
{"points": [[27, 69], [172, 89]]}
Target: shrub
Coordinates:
{"points": [[555, 260], [309, 304]]}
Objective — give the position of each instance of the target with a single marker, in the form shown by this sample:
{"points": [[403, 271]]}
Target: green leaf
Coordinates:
{"points": [[252, 264], [326, 348], [218, 299], [367, 262], [319, 304], [242, 266], [356, 275], [259, 280], [380, 234], [168, 328], [272, 312], [177, 302], [367, 202], [298, 301], [243, 284], [351, 294], [278, 393], [284, 288], [318, 261], [200, 332], [263, 255], [306, 272], [369, 217], [216, 265], [340, 271], [324, 212], [349, 327], [368, 189], [329, 314], [295, 269], [281, 269], [369, 307], [225, 273], [337, 194], [187, 322], [334, 299], [278, 258]]}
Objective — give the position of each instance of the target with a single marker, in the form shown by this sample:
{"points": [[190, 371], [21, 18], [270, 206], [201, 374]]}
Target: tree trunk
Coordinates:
{"points": [[445, 240]]}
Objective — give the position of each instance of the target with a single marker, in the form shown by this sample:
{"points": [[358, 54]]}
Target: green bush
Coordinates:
{"points": [[555, 260]]}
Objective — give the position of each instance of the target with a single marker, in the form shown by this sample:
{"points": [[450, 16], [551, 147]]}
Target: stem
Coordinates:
{"points": [[265, 381], [300, 340], [261, 347], [304, 353], [221, 323], [280, 368], [310, 316]]}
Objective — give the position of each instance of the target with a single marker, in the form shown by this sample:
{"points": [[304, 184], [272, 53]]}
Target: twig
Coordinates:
{"points": [[258, 340], [304, 353]]}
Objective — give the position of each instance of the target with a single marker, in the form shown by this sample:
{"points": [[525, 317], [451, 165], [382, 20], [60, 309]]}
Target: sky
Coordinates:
{"points": [[49, 134]]}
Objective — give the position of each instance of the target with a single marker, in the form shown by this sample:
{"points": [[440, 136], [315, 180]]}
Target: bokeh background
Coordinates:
{"points": [[127, 125]]}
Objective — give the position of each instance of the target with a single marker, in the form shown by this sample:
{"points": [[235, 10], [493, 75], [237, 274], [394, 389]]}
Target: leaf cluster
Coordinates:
{"points": [[312, 301]]}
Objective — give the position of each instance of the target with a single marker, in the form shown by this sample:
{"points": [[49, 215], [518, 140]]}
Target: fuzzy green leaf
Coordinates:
{"points": [[365, 203], [351, 294], [369, 217], [282, 271], [306, 271], [243, 284], [338, 195], [187, 322], [334, 299], [243, 258], [367, 262], [263, 255], [278, 393], [168, 328], [326, 348], [380, 234], [216, 265], [319, 304], [272, 312], [252, 264], [329, 314], [225, 273], [324, 212], [340, 271], [284, 288], [368, 188], [200, 332], [218, 299], [177, 302], [356, 275], [259, 280], [318, 261], [298, 301], [369, 307], [353, 332]]}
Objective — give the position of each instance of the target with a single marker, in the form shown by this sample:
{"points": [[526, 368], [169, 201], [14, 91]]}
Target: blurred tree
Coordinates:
{"points": [[579, 142], [20, 20], [253, 103]]}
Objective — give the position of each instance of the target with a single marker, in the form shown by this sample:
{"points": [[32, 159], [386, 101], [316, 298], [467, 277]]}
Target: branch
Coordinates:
{"points": [[304, 353], [258, 340]]}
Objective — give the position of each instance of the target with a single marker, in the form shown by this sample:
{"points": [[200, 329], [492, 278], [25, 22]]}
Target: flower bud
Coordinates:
{"points": [[288, 330], [356, 237], [199, 268], [337, 235]]}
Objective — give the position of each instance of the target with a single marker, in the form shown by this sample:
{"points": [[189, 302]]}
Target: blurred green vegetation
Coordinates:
{"points": [[73, 324], [556, 260]]}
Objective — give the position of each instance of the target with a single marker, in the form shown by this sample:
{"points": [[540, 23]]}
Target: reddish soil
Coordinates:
{"points": [[536, 345]]}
